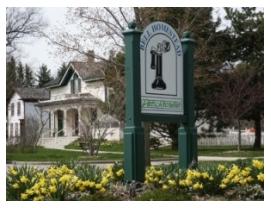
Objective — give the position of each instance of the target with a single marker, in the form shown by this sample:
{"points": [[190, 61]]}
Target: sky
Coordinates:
{"points": [[37, 51]]}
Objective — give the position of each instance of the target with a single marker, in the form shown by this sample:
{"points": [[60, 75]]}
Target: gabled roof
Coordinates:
{"points": [[87, 71], [33, 93]]}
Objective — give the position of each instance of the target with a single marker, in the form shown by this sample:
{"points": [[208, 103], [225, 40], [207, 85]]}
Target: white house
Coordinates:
{"points": [[79, 90], [21, 109]]}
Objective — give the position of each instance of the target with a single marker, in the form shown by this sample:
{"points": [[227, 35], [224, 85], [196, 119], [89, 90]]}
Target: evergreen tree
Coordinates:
{"points": [[10, 78], [44, 75], [29, 78], [247, 34], [20, 75], [61, 71]]}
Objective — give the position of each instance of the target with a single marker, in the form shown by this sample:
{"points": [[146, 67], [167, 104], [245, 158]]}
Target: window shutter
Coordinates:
{"points": [[79, 85], [72, 86]]}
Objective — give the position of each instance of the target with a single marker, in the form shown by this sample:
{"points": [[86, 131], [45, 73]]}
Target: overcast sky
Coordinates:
{"points": [[36, 51]]}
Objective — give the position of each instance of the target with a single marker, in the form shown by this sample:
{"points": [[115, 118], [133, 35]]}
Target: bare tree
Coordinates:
{"points": [[92, 28], [21, 23], [236, 97], [93, 130], [33, 129]]}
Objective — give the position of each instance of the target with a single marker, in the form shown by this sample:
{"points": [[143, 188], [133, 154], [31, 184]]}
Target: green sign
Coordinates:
{"points": [[161, 63]]}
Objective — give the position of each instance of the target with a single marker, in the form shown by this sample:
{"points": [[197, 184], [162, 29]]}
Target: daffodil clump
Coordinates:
{"points": [[237, 176], [202, 181], [196, 180], [154, 176], [189, 180], [19, 180], [56, 183], [113, 173]]}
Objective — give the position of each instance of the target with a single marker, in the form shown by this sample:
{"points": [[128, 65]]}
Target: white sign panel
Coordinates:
{"points": [[161, 60]]}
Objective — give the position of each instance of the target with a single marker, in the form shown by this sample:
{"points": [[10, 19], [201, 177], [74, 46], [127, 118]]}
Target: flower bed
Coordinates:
{"points": [[83, 182]]}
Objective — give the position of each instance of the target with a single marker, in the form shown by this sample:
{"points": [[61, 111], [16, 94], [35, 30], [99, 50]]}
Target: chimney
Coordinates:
{"points": [[90, 56]]}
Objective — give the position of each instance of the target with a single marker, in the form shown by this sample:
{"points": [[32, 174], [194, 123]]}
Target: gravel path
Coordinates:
{"points": [[104, 164]]}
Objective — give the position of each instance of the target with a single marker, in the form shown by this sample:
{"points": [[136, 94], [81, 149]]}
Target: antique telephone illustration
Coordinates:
{"points": [[157, 64]]}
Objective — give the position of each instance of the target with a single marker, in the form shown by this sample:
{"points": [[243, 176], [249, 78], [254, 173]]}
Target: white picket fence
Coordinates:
{"points": [[228, 139]]}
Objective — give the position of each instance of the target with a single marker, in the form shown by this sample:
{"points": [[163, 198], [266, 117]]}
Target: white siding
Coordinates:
{"points": [[97, 89], [15, 118]]}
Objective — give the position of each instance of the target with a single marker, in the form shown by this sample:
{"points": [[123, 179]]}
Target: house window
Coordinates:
{"points": [[11, 130], [12, 109], [18, 108], [16, 129], [75, 84], [93, 112]]}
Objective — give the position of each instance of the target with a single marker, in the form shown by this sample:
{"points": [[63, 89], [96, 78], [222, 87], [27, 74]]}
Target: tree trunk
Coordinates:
{"points": [[239, 136], [173, 134], [147, 130], [258, 133]]}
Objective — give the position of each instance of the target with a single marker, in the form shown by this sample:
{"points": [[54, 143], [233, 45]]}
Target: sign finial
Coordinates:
{"points": [[132, 25], [186, 34]]}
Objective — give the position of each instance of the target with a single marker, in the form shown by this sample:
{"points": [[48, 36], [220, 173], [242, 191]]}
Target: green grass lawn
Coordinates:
{"points": [[42, 154], [223, 151]]}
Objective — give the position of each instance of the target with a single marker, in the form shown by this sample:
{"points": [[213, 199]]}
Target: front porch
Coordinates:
{"points": [[65, 115]]}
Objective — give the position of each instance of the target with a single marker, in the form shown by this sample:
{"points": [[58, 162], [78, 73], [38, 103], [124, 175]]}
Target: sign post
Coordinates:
{"points": [[159, 87], [134, 158], [187, 133]]}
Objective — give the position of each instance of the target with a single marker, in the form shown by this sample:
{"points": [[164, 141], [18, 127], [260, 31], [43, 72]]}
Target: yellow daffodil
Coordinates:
{"points": [[98, 186], [102, 190], [243, 182], [197, 186], [165, 187], [221, 168], [15, 185], [258, 164], [24, 196], [260, 177], [236, 179], [172, 182], [160, 173], [42, 181], [249, 179], [104, 181], [53, 181], [188, 182], [30, 192], [120, 172], [65, 178], [245, 173], [225, 181], [43, 190], [205, 175], [52, 189], [182, 183], [12, 172], [24, 179], [38, 198], [222, 186]]}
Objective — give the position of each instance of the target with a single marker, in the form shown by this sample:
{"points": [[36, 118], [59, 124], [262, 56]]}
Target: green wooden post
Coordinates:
{"points": [[134, 161], [187, 134]]}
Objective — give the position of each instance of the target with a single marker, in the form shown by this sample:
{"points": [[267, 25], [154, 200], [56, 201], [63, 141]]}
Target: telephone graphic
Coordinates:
{"points": [[157, 64]]}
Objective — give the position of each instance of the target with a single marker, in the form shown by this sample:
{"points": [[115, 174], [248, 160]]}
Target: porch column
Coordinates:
{"points": [[65, 125], [79, 109], [52, 125]]}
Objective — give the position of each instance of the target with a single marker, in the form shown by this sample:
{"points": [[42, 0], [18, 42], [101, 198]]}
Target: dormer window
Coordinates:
{"points": [[75, 84], [18, 108], [12, 109]]}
